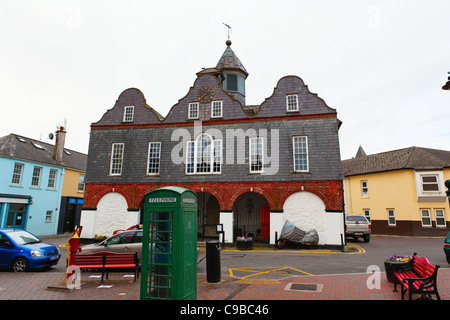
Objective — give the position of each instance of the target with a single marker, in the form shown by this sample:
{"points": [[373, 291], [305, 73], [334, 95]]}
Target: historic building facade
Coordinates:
{"points": [[252, 167]]}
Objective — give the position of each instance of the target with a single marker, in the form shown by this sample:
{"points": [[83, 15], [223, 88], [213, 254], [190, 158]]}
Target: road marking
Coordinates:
{"points": [[255, 271]]}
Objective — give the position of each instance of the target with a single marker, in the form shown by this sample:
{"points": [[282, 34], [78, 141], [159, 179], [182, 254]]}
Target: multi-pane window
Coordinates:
{"points": [[430, 183], [52, 179], [116, 159], [425, 217], [204, 155], [300, 149], [48, 216], [216, 109], [190, 157], [154, 153], [17, 174], [292, 102], [256, 155], [440, 218], [81, 183], [367, 214], [35, 180], [193, 111], [364, 188], [128, 114], [391, 217], [217, 156]]}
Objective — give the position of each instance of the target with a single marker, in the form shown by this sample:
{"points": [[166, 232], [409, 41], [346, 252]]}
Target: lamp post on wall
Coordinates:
{"points": [[447, 85]]}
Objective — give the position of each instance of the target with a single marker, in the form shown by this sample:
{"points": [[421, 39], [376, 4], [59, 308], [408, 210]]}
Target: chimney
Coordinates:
{"points": [[59, 144]]}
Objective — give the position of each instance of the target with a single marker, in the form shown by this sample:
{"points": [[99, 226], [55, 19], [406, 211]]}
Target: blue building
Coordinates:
{"points": [[31, 182]]}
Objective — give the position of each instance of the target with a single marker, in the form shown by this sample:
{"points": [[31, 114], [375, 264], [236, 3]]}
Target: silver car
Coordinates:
{"points": [[127, 241]]}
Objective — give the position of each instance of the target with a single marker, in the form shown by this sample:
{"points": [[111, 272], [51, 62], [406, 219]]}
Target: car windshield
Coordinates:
{"points": [[22, 237], [356, 218]]}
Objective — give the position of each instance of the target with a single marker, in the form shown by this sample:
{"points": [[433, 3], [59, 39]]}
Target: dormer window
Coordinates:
{"points": [[216, 109], [193, 111], [128, 114], [292, 102]]}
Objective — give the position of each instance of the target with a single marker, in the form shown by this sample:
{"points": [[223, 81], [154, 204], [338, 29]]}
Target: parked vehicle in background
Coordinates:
{"points": [[357, 226], [135, 227], [125, 241], [22, 251], [447, 247]]}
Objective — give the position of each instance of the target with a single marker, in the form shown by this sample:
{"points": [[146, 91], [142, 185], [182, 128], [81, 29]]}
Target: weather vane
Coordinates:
{"points": [[228, 31]]}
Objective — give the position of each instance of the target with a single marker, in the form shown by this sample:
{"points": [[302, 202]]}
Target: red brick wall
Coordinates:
{"points": [[276, 193]]}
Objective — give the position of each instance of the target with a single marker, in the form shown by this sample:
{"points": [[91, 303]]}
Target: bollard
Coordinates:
{"points": [[212, 261]]}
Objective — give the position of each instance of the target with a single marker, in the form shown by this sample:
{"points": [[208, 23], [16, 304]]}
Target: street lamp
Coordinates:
{"points": [[447, 85]]}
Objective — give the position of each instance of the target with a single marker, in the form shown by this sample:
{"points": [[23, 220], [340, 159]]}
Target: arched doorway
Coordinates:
{"points": [[251, 217], [208, 215]]}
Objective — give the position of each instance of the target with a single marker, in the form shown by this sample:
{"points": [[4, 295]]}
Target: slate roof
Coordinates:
{"points": [[408, 158], [23, 148], [229, 60]]}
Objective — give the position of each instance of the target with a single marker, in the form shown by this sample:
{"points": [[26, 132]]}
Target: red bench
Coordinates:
{"points": [[418, 276], [107, 260]]}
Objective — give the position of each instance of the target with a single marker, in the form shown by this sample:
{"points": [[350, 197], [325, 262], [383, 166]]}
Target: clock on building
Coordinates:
{"points": [[205, 94]]}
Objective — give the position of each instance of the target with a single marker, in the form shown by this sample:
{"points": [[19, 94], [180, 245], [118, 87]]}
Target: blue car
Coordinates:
{"points": [[22, 251]]}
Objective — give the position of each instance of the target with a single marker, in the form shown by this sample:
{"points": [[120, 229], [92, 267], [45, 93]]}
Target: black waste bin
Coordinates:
{"points": [[212, 261]]}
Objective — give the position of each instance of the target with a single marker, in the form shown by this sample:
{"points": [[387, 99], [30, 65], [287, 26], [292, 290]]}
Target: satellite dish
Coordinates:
{"points": [[50, 136]]}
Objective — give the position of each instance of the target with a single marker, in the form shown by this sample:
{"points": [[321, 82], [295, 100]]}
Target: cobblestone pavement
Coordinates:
{"points": [[119, 286]]}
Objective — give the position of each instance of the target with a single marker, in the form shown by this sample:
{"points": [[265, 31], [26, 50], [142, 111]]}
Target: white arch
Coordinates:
{"points": [[112, 214], [306, 211]]}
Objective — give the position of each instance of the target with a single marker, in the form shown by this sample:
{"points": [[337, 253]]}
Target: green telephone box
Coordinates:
{"points": [[169, 245]]}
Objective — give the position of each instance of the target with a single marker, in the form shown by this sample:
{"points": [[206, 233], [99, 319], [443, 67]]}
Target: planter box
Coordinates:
{"points": [[390, 266], [244, 244]]}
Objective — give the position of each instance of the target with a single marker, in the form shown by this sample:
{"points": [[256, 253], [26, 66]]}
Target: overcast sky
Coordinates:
{"points": [[380, 64]]}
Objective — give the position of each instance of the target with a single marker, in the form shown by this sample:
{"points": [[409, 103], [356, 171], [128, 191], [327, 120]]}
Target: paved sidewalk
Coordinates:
{"points": [[46, 286]]}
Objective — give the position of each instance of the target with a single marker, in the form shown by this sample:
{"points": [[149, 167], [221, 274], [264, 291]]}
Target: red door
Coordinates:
{"points": [[265, 222]]}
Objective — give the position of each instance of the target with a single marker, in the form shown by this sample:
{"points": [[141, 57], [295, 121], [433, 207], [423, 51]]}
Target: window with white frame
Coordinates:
{"points": [[430, 183], [425, 217], [216, 109], [256, 155], [154, 154], [439, 216], [52, 179], [116, 159], [364, 188], [300, 150], [204, 155], [128, 114], [36, 178], [391, 217], [193, 111], [81, 183], [292, 102], [48, 216], [17, 174], [367, 213]]}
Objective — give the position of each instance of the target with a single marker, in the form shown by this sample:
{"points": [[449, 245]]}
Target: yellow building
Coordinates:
{"points": [[402, 192]]}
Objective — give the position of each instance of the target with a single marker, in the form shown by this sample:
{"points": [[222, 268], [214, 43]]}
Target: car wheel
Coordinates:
{"points": [[281, 244], [19, 265], [448, 258], [366, 238]]}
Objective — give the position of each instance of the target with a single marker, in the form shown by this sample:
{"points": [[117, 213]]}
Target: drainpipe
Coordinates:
{"points": [[58, 202]]}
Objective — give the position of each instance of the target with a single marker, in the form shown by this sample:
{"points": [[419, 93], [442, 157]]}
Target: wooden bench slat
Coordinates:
{"points": [[420, 279], [107, 260]]}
